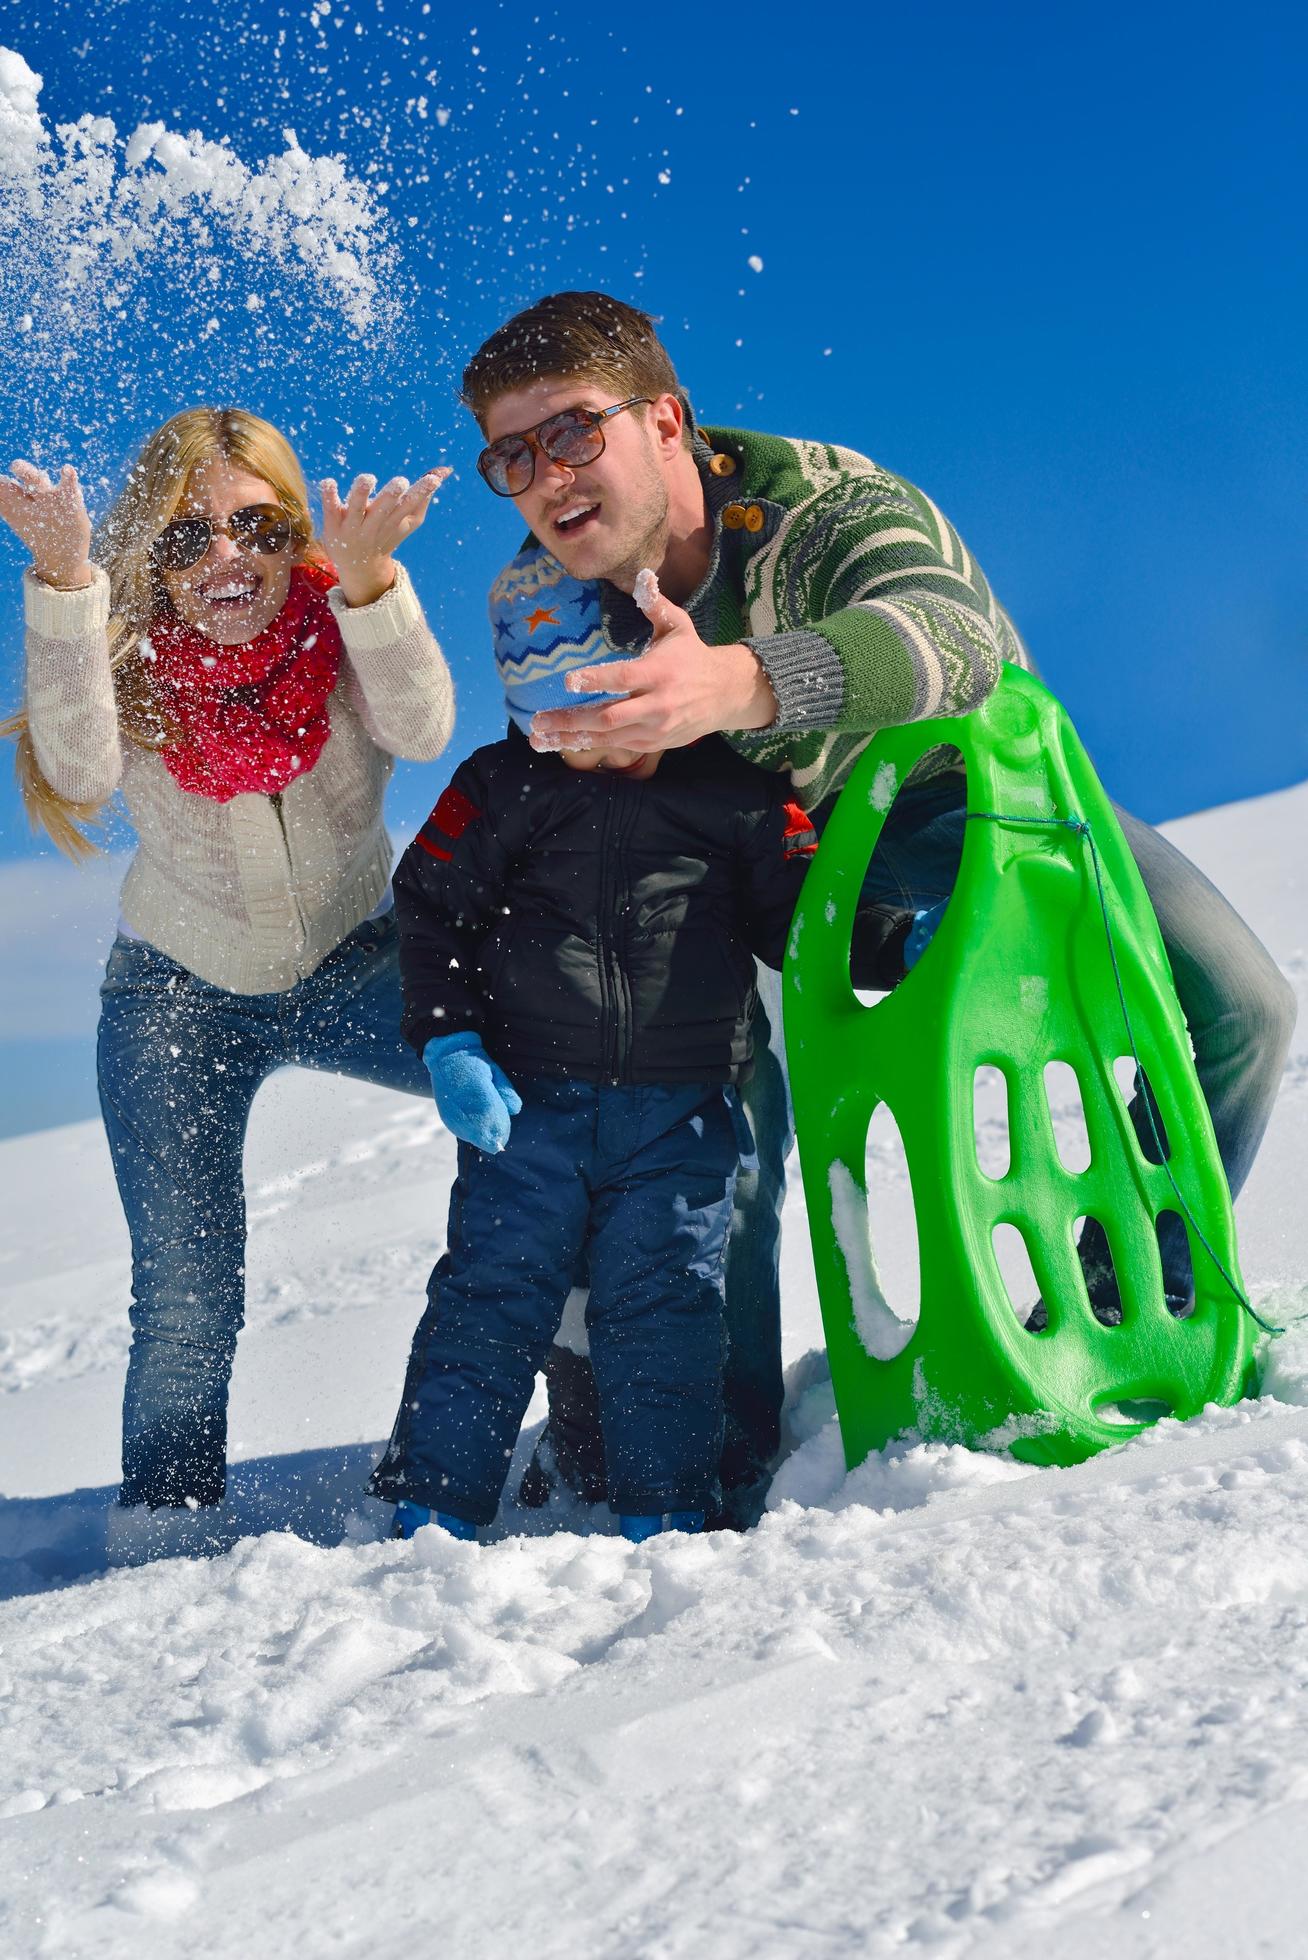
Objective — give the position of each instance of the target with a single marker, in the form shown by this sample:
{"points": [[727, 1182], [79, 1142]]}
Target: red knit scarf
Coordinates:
{"points": [[253, 717]]}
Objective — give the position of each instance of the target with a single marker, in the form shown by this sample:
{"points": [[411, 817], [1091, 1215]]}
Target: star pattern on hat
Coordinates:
{"points": [[543, 616]]}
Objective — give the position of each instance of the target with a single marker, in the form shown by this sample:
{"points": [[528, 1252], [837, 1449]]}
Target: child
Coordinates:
{"points": [[577, 944], [577, 952]]}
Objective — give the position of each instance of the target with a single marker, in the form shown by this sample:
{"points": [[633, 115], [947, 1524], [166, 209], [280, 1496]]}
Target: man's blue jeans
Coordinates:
{"points": [[1239, 1008], [179, 1064]]}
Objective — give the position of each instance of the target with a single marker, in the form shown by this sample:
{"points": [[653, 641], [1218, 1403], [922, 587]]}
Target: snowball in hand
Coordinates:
{"points": [[646, 590]]}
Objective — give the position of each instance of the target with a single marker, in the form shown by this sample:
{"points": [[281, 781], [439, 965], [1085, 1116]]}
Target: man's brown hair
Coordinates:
{"points": [[582, 335]]}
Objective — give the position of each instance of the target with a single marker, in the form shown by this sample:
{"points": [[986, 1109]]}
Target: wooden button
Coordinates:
{"points": [[734, 517], [754, 518], [722, 465]]}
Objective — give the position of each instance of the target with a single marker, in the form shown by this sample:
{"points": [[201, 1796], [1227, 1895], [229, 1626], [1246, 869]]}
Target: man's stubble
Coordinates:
{"points": [[652, 543], [646, 526]]}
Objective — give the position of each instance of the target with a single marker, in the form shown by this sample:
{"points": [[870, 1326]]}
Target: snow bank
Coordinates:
{"points": [[968, 1700], [944, 1704]]}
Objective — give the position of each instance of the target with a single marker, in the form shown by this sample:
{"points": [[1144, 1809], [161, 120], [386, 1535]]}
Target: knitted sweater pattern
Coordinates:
{"points": [[860, 599], [252, 894]]}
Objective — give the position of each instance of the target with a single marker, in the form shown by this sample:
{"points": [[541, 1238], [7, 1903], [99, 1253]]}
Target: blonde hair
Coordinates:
{"points": [[156, 486]]}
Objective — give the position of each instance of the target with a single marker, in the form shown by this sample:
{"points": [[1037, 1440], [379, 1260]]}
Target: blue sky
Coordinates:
{"points": [[1050, 266]]}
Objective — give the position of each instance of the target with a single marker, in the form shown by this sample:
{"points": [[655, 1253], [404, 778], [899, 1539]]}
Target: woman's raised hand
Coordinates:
{"points": [[50, 518], [362, 530]]}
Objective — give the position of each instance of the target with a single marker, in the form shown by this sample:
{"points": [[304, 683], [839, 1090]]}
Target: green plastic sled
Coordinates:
{"points": [[1020, 973]]}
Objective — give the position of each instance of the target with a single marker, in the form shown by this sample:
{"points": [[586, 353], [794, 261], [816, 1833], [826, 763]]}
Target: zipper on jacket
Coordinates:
{"points": [[603, 938], [615, 1024], [629, 809], [301, 923]]}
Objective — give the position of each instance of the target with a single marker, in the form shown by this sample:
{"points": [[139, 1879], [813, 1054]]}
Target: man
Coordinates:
{"points": [[809, 598]]}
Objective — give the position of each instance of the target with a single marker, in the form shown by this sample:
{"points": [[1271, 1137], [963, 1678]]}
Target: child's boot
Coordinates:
{"points": [[411, 1517], [637, 1529]]}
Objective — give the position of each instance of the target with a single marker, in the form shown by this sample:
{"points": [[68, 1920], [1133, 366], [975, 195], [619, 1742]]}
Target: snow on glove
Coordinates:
{"points": [[475, 1098]]}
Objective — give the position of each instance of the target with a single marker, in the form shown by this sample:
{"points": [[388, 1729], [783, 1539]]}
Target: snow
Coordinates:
{"points": [[238, 265], [646, 590], [881, 793], [882, 1332], [102, 202], [947, 1703]]}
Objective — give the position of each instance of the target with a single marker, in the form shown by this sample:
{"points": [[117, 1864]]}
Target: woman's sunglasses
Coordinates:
{"points": [[264, 528], [573, 437]]}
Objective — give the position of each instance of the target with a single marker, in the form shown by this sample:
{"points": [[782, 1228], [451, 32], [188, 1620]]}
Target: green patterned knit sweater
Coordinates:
{"points": [[860, 599]]}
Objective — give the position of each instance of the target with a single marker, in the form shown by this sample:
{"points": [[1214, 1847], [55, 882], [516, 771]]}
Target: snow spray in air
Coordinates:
{"points": [[143, 269]]}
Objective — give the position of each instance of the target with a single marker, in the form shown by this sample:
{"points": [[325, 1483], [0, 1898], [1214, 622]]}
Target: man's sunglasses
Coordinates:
{"points": [[573, 437], [264, 528]]}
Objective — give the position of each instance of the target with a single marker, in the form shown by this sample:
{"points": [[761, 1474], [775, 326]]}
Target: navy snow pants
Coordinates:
{"points": [[638, 1181]]}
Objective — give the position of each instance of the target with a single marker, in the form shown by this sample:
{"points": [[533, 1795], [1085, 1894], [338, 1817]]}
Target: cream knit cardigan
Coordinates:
{"points": [[252, 894]]}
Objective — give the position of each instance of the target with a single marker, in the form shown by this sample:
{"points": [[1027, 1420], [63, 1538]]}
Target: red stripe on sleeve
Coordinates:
{"points": [[453, 813]]}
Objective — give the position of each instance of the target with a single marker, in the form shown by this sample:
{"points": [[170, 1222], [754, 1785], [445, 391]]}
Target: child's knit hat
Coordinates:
{"points": [[543, 624]]}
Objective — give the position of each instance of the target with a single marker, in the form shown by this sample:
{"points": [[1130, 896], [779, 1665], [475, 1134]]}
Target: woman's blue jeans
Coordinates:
{"points": [[1238, 1005], [179, 1064]]}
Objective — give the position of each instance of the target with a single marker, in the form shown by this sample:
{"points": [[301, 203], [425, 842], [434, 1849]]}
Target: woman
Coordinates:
{"points": [[247, 685]]}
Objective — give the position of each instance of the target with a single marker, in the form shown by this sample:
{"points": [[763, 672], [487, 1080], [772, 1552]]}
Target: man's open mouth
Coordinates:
{"points": [[575, 518]]}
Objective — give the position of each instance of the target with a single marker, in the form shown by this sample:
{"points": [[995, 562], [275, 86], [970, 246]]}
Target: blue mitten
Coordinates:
{"points": [[922, 932], [473, 1094]]}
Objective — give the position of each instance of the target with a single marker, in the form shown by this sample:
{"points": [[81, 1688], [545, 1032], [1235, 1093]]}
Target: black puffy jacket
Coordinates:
{"points": [[588, 925]]}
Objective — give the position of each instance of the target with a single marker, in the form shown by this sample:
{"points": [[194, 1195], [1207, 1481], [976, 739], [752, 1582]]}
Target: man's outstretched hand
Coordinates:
{"points": [[674, 692]]}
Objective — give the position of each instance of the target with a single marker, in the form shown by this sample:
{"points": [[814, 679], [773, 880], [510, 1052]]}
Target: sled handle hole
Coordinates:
{"points": [[1098, 1272], [1067, 1115], [991, 1134], [1013, 1258], [1132, 1083], [1177, 1263], [885, 1288], [1134, 1410]]}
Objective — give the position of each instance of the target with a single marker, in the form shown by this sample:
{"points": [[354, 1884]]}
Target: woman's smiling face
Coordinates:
{"points": [[230, 594]]}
